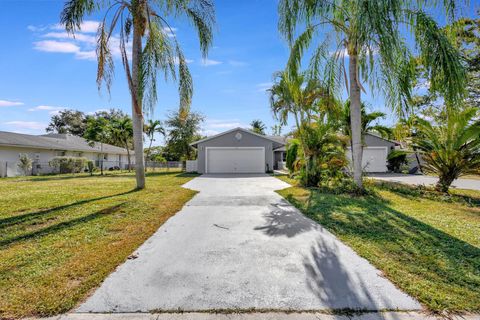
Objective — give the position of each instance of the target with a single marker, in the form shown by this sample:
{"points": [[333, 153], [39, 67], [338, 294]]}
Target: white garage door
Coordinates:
{"points": [[374, 159], [235, 160]]}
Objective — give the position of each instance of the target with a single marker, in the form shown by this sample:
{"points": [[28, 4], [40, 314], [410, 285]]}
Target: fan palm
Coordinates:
{"points": [[369, 34], [153, 50], [451, 149]]}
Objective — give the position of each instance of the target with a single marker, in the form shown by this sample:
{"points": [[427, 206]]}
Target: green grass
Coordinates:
{"points": [[60, 236], [428, 247]]}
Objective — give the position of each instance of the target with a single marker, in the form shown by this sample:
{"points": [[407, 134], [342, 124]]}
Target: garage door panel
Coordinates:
{"points": [[235, 160], [373, 160]]}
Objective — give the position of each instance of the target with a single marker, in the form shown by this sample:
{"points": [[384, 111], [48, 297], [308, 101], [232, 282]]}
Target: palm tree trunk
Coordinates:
{"points": [[147, 156], [128, 157], [355, 121], [137, 118]]}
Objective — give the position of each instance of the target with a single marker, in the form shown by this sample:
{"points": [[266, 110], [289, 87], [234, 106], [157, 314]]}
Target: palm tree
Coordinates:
{"points": [[368, 33], [150, 128], [153, 50], [258, 126], [122, 134], [450, 149], [98, 129], [300, 96]]}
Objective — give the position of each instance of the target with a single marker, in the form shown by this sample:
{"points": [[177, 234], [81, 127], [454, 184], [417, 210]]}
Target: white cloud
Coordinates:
{"points": [[264, 86], [56, 46], [78, 37], [51, 109], [26, 124], [170, 32], [88, 26], [237, 63], [208, 62], [86, 55], [209, 133], [7, 103]]}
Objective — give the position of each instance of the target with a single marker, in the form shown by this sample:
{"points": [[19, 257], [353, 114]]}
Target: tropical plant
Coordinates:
{"points": [[369, 34], [121, 131], [182, 130], [276, 130], [301, 97], [450, 149], [91, 167], [151, 128], [396, 159], [369, 121], [292, 154], [24, 163], [258, 126], [154, 48], [324, 156]]}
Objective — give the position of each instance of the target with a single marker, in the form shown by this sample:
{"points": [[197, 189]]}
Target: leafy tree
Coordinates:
{"points": [[25, 163], [68, 121], [450, 149], [182, 130], [369, 34], [258, 126], [121, 132], [150, 128], [153, 50], [98, 130]]}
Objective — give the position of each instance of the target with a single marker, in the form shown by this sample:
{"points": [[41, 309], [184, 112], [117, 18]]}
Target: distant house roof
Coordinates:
{"points": [[277, 139], [380, 137], [55, 141]]}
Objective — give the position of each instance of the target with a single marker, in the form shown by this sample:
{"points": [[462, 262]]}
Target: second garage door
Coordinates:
{"points": [[235, 160], [374, 159]]}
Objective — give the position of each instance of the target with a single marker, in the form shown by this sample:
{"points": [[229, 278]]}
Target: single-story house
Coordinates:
{"points": [[243, 151], [43, 148]]}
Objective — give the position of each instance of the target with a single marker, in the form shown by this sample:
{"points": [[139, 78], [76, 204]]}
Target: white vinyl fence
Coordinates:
{"points": [[191, 166]]}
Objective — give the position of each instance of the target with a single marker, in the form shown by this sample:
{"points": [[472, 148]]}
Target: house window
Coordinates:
{"points": [[284, 156], [78, 154], [61, 153]]}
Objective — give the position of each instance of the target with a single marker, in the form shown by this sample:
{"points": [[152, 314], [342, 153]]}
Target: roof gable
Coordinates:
{"points": [[270, 138]]}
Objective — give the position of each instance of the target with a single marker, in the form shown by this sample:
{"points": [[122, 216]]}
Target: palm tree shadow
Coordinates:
{"points": [[7, 222], [284, 220], [63, 225], [441, 259]]}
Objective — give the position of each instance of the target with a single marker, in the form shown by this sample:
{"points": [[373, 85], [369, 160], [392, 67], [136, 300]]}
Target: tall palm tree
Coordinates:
{"points": [[153, 50], [368, 121], [369, 34], [258, 126], [150, 128]]}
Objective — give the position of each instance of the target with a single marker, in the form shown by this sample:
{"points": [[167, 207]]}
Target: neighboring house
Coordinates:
{"points": [[243, 151], [41, 149], [375, 152]]}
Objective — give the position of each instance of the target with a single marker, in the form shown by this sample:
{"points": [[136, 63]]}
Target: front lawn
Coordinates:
{"points": [[60, 236], [428, 247]]}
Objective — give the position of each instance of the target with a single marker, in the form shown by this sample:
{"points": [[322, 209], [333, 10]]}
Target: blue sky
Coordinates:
{"points": [[43, 72]]}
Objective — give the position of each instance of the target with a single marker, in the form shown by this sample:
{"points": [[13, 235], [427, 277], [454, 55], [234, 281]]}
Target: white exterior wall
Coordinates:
{"points": [[9, 159]]}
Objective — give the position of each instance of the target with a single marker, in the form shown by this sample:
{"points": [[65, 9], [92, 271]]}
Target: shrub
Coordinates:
{"points": [[68, 164], [396, 159], [292, 152], [25, 163], [90, 167]]}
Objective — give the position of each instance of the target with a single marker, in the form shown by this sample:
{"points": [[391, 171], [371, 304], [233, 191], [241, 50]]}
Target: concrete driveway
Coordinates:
{"points": [[239, 245], [426, 180]]}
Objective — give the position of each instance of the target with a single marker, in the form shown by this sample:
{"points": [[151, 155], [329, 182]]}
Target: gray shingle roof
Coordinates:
{"points": [[55, 142]]}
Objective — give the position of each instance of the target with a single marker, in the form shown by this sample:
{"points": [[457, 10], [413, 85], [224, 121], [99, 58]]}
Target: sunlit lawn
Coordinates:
{"points": [[429, 248], [60, 236]]}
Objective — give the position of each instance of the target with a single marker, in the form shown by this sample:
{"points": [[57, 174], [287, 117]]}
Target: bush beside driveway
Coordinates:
{"points": [[60, 236]]}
